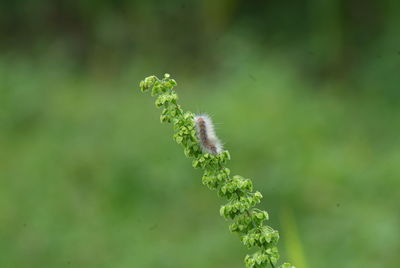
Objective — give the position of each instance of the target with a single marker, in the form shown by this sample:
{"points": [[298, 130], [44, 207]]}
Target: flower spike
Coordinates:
{"points": [[197, 136]]}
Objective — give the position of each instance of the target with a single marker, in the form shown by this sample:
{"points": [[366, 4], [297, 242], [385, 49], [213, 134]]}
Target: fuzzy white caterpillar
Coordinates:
{"points": [[209, 141]]}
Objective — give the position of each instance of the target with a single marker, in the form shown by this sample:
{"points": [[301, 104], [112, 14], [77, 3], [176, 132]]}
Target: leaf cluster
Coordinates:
{"points": [[248, 221]]}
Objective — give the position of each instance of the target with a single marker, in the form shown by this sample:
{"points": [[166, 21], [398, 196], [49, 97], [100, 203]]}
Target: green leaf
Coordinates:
{"points": [[179, 139], [195, 163]]}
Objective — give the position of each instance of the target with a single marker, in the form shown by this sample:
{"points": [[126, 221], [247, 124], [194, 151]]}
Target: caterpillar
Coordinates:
{"points": [[209, 141]]}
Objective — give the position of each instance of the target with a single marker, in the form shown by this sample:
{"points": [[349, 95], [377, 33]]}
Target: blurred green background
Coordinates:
{"points": [[305, 95]]}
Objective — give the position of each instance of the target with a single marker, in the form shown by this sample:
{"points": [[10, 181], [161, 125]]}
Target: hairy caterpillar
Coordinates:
{"points": [[209, 141]]}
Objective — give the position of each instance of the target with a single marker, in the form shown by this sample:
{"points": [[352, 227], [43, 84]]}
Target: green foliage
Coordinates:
{"points": [[248, 221]]}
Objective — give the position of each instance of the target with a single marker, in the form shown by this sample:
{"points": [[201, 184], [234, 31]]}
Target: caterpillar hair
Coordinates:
{"points": [[209, 141]]}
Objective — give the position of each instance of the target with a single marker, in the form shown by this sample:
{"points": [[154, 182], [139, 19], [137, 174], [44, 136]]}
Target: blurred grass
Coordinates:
{"points": [[90, 178], [292, 238]]}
